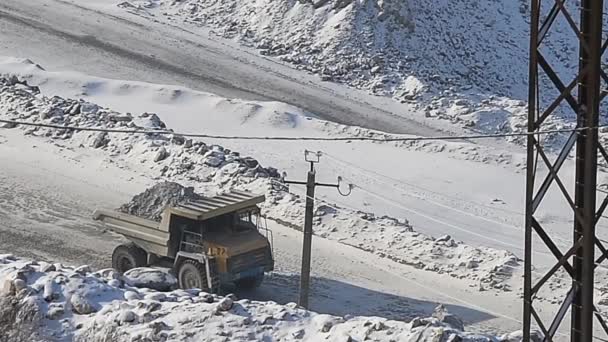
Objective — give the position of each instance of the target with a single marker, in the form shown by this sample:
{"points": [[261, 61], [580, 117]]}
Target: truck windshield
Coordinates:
{"points": [[245, 221]]}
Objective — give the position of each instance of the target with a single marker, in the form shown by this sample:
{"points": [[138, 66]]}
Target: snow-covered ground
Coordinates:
{"points": [[393, 240], [459, 61], [431, 216], [52, 302]]}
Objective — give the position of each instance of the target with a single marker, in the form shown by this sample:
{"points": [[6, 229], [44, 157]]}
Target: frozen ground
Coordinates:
{"points": [[109, 168], [63, 35], [53, 302], [438, 188], [66, 187], [457, 61]]}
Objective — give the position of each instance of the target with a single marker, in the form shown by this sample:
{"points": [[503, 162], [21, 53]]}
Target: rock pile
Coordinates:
{"points": [[87, 307], [151, 203]]}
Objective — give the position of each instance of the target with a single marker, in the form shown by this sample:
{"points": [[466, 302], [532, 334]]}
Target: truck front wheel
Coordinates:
{"points": [[128, 256], [192, 274]]}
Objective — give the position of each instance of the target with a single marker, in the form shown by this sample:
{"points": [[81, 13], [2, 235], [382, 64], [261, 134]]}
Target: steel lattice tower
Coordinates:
{"points": [[581, 95]]}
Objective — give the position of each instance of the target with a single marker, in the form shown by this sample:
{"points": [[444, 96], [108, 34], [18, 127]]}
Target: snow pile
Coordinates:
{"points": [[395, 239], [225, 116], [171, 155], [454, 60], [151, 203], [65, 303], [213, 169]]}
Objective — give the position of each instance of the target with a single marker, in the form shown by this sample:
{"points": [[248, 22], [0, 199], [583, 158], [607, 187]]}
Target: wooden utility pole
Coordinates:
{"points": [[312, 158]]}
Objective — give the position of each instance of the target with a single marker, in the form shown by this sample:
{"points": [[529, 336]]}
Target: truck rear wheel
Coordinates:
{"points": [[128, 256], [192, 274], [250, 283]]}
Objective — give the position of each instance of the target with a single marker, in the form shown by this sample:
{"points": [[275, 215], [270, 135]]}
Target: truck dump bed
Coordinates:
{"points": [[155, 236], [146, 233]]}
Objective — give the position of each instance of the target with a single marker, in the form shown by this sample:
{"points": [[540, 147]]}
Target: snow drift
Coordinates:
{"points": [[42, 301]]}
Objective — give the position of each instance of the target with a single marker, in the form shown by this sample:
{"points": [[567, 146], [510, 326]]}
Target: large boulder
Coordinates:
{"points": [[152, 278]]}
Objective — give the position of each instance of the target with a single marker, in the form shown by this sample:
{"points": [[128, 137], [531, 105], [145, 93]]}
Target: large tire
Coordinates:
{"points": [[192, 274], [128, 256], [249, 283]]}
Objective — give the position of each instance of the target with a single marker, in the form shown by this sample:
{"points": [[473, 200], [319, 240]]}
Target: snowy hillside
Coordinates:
{"points": [[461, 61], [441, 210], [213, 168], [53, 302]]}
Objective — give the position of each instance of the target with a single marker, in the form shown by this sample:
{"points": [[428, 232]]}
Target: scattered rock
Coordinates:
{"points": [[225, 304], [156, 296], [8, 125], [126, 316], [49, 293], [207, 298], [298, 334], [178, 139], [81, 305], [115, 283], [132, 295], [518, 336], [101, 140], [213, 161], [47, 268], [89, 108], [471, 264], [603, 300], [19, 284], [152, 278], [55, 312], [444, 238], [161, 154], [442, 314], [7, 288], [83, 270]]}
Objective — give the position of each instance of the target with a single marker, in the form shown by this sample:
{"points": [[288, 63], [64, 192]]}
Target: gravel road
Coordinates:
{"points": [[64, 35]]}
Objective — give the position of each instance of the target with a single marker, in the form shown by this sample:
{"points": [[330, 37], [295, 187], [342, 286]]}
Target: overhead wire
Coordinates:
{"points": [[337, 159], [331, 205], [287, 138], [441, 293], [442, 222]]}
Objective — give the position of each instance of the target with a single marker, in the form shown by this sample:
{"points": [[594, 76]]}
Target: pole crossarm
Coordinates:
{"points": [[312, 158]]}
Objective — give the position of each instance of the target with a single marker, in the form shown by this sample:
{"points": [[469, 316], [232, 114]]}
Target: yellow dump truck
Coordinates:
{"points": [[210, 242]]}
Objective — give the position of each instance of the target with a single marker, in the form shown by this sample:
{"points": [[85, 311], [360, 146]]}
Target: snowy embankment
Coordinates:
{"points": [[212, 169], [42, 301], [458, 61]]}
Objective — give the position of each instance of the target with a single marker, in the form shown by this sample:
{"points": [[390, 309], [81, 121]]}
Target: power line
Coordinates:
{"points": [[442, 222], [331, 156], [358, 210], [285, 138], [409, 279], [428, 217], [331, 205], [443, 205]]}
